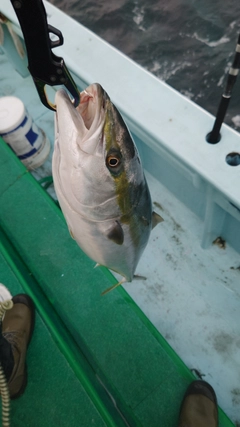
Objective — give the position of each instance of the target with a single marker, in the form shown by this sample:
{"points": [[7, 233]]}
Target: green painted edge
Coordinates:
{"points": [[65, 343]]}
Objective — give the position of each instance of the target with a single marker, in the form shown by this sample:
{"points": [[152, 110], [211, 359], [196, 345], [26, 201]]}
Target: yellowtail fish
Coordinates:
{"points": [[99, 181]]}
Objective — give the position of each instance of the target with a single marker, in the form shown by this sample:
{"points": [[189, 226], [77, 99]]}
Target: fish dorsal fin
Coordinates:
{"points": [[115, 233], [156, 218]]}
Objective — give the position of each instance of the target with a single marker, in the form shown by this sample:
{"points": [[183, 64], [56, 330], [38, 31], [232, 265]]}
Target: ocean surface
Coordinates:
{"points": [[189, 44]]}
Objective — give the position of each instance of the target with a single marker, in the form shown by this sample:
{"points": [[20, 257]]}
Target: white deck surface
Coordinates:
{"points": [[192, 296]]}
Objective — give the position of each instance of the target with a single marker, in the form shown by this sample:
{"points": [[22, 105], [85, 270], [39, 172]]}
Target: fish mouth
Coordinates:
{"points": [[92, 99], [86, 121]]}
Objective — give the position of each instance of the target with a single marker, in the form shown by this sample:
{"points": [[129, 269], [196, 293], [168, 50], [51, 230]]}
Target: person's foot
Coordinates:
{"points": [[199, 406], [17, 328]]}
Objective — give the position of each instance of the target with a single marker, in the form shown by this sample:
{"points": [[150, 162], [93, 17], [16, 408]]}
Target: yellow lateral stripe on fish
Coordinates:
{"points": [[99, 181], [125, 197], [119, 176]]}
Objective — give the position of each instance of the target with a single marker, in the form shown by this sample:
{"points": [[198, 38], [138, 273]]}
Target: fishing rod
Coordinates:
{"points": [[214, 136]]}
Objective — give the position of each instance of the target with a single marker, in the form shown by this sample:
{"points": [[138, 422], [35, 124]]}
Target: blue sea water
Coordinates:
{"points": [[189, 44]]}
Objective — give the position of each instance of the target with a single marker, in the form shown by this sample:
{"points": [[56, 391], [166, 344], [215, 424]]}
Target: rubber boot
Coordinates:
{"points": [[199, 406]]}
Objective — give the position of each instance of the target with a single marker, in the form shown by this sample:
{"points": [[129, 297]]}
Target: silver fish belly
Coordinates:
{"points": [[99, 181]]}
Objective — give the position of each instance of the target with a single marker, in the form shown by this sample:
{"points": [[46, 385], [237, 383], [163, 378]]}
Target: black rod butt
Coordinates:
{"points": [[213, 137]]}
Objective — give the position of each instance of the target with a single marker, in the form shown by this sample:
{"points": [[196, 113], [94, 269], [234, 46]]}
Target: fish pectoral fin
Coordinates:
{"points": [[115, 233], [156, 219], [113, 287]]}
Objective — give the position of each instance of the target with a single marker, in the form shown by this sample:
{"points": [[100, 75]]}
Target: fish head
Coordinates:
{"points": [[96, 160]]}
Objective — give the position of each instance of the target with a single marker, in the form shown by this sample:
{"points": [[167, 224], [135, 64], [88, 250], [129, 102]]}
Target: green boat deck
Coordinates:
{"points": [[93, 360]]}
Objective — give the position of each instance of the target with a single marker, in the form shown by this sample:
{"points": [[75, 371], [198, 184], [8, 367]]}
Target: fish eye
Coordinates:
{"points": [[113, 161]]}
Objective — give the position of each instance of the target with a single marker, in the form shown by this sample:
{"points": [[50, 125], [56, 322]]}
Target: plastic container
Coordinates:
{"points": [[18, 130]]}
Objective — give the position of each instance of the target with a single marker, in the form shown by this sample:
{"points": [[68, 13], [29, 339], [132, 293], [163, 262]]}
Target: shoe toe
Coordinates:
{"points": [[199, 406]]}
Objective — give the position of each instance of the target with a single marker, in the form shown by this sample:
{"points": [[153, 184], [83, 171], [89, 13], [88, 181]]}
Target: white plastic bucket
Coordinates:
{"points": [[19, 131]]}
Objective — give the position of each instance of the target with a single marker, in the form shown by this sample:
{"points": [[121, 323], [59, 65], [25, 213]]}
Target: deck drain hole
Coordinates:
{"points": [[233, 159]]}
